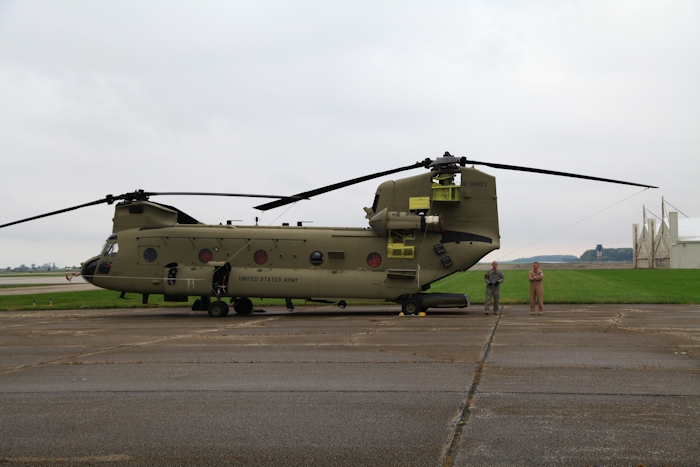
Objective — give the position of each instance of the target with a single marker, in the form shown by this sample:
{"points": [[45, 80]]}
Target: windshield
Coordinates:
{"points": [[110, 249]]}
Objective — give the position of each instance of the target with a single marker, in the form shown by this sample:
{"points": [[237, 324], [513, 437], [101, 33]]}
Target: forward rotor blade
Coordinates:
{"points": [[92, 203], [237, 195], [141, 195], [336, 186], [552, 172]]}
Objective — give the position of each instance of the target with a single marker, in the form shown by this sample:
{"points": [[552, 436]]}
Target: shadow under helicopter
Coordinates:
{"points": [[301, 314]]}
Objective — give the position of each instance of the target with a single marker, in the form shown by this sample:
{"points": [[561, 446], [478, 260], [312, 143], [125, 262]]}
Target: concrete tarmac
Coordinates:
{"points": [[37, 284], [580, 385], [78, 287]]}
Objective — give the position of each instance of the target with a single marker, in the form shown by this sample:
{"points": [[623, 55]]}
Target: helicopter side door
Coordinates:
{"points": [[182, 281]]}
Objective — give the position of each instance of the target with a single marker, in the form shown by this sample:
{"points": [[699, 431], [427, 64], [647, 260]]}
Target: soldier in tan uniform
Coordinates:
{"points": [[493, 279], [535, 277]]}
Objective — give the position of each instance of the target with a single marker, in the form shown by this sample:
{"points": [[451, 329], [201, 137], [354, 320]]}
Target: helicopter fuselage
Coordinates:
{"points": [[422, 229]]}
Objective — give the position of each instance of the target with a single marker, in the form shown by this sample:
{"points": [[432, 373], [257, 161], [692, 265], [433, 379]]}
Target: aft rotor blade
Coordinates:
{"points": [[552, 172], [61, 211], [337, 186]]}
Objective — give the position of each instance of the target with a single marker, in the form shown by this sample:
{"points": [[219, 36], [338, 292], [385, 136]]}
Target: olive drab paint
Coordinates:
{"points": [[423, 228]]}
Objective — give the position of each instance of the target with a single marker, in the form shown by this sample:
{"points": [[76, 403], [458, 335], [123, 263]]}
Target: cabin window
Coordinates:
{"points": [[206, 255], [260, 257], [374, 260], [150, 255], [316, 258]]}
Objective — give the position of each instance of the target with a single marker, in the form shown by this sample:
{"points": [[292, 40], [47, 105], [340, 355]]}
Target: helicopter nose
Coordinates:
{"points": [[88, 269]]}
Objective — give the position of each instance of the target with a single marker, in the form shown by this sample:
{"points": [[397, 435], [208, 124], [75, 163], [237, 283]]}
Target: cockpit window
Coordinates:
{"points": [[111, 249]]}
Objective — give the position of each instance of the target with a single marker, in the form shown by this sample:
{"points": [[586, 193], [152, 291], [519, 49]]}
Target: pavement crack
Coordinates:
{"points": [[464, 418]]}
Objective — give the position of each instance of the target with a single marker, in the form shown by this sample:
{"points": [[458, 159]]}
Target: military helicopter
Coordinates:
{"points": [[421, 229]]}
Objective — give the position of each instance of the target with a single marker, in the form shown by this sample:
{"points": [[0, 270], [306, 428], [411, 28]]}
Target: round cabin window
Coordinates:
{"points": [[260, 257], [206, 255], [374, 259], [150, 255], [316, 258]]}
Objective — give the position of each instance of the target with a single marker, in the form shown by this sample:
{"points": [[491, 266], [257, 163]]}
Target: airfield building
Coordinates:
{"points": [[685, 242], [675, 245], [651, 249]]}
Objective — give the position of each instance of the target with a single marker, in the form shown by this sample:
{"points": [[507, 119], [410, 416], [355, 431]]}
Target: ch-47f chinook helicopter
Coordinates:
{"points": [[421, 229]]}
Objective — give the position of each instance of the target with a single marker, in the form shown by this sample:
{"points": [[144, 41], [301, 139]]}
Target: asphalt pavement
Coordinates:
{"points": [[579, 385]]}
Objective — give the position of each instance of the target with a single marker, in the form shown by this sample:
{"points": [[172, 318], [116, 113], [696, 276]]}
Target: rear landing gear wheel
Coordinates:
{"points": [[410, 307], [243, 306], [218, 309]]}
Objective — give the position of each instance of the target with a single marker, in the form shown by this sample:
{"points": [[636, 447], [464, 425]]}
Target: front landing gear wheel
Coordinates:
{"points": [[201, 304], [218, 309], [243, 306], [410, 307]]}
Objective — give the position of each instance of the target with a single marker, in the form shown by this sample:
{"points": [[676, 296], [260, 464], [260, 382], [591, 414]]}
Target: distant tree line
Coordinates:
{"points": [[609, 254], [548, 259], [46, 267]]}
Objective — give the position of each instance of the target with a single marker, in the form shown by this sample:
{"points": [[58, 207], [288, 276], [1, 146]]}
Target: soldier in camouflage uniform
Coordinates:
{"points": [[493, 279]]}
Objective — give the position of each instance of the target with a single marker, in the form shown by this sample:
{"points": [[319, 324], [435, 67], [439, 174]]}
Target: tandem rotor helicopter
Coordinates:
{"points": [[421, 229]]}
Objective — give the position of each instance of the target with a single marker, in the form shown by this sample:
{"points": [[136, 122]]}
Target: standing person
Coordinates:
{"points": [[535, 277], [493, 279]]}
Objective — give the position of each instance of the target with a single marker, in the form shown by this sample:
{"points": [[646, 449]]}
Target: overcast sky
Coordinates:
{"points": [[283, 97]]}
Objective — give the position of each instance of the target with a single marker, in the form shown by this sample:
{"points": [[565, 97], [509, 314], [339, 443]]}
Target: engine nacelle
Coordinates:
{"points": [[384, 221]]}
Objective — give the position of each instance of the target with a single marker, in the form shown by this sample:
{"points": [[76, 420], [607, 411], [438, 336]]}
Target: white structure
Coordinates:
{"points": [[661, 251], [684, 242], [651, 249], [643, 243]]}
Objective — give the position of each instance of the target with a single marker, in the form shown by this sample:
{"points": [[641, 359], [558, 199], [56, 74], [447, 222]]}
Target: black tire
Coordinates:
{"points": [[410, 307], [243, 306], [201, 304], [218, 309]]}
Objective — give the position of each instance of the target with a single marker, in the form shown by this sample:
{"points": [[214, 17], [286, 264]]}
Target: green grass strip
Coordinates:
{"points": [[590, 286]]}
